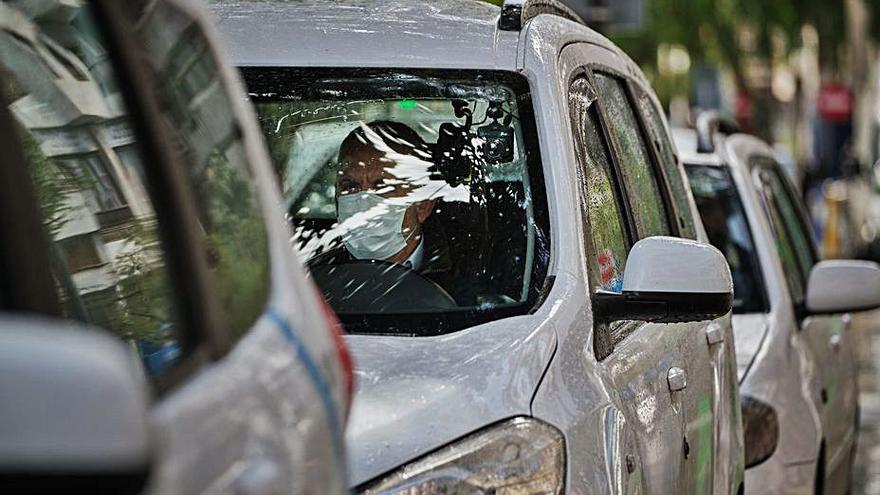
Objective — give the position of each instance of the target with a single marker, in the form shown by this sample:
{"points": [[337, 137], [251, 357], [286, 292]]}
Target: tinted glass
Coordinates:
{"points": [[785, 245], [106, 257], [794, 222], [724, 218], [196, 109], [638, 174], [412, 195], [669, 163], [598, 196]]}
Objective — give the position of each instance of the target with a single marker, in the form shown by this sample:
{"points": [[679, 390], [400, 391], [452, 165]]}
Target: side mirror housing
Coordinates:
{"points": [[73, 409], [840, 286], [670, 280]]}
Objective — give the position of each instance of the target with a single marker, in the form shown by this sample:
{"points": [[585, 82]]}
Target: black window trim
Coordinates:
{"points": [[656, 168], [26, 284]]}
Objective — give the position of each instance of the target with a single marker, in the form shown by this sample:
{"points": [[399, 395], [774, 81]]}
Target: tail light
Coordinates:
{"points": [[342, 351]]}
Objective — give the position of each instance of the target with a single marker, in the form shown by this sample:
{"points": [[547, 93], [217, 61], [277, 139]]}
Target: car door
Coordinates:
{"points": [[727, 424], [639, 358], [162, 218], [825, 335], [653, 213]]}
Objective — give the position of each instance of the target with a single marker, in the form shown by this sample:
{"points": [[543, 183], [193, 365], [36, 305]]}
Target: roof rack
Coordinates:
{"points": [[709, 123], [515, 13]]}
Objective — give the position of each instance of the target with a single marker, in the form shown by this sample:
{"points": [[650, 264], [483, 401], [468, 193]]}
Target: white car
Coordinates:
{"points": [[793, 347], [489, 199], [157, 332]]}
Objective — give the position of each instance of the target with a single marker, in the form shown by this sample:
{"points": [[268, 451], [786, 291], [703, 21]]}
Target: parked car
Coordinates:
{"points": [[489, 199], [157, 333], [790, 316]]}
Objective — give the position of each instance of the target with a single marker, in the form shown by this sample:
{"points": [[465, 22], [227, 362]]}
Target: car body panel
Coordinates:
{"points": [[274, 400], [625, 432], [781, 361], [637, 370], [353, 33], [751, 330], [282, 376], [421, 398], [826, 362]]}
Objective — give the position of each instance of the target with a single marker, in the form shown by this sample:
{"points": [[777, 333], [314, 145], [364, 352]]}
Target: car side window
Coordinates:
{"points": [[669, 164], [785, 245], [794, 222], [106, 257], [599, 204], [196, 110], [639, 179]]}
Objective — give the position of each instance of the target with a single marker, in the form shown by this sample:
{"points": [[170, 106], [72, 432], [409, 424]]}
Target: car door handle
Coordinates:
{"points": [[676, 378], [834, 342], [714, 333], [262, 476]]}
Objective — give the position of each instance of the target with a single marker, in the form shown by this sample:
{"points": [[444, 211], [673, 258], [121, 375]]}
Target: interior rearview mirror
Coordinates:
{"points": [[669, 280], [840, 286], [73, 409]]}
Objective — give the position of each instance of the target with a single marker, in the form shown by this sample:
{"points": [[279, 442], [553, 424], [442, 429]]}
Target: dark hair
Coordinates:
{"points": [[398, 136]]}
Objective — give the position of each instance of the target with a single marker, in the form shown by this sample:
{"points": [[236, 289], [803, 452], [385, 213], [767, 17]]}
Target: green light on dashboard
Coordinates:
{"points": [[408, 104]]}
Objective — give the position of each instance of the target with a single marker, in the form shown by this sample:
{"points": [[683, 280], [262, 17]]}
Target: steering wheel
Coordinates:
{"points": [[368, 286]]}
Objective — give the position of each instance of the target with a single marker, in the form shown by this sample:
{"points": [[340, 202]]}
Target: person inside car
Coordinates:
{"points": [[385, 202]]}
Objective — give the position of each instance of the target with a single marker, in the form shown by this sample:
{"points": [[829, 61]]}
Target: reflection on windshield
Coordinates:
{"points": [[409, 196]]}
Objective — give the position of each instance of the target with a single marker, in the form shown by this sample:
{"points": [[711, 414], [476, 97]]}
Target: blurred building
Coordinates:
{"points": [[84, 139]]}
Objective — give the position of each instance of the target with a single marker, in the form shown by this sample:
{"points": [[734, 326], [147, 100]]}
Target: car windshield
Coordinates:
{"points": [[728, 229], [416, 198]]}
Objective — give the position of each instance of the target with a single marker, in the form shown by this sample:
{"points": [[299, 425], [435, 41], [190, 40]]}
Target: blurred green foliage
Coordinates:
{"points": [[711, 31]]}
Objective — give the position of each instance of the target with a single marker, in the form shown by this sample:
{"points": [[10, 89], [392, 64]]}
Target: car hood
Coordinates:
{"points": [[749, 331], [415, 394]]}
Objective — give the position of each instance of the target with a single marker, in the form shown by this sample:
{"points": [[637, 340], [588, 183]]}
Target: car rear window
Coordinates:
{"points": [[727, 226], [416, 197]]}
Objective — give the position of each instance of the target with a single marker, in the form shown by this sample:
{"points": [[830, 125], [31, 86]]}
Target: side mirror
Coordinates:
{"points": [[73, 410], [840, 286], [670, 280]]}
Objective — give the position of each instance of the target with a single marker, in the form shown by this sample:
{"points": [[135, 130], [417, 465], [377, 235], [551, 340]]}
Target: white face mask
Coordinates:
{"points": [[375, 225]]}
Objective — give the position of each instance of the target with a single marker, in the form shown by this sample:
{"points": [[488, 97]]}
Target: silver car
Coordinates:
{"points": [[157, 332], [490, 201], [794, 352]]}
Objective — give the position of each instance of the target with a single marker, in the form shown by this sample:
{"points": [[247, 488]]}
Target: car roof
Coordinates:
{"points": [[366, 33]]}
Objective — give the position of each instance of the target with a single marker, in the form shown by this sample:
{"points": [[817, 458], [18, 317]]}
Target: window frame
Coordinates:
{"points": [[26, 283], [653, 165], [640, 92], [760, 164], [191, 294], [754, 256], [617, 187], [433, 324], [605, 336]]}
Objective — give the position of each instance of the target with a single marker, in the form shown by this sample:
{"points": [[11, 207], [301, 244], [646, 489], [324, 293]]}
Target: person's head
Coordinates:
{"points": [[377, 162]]}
